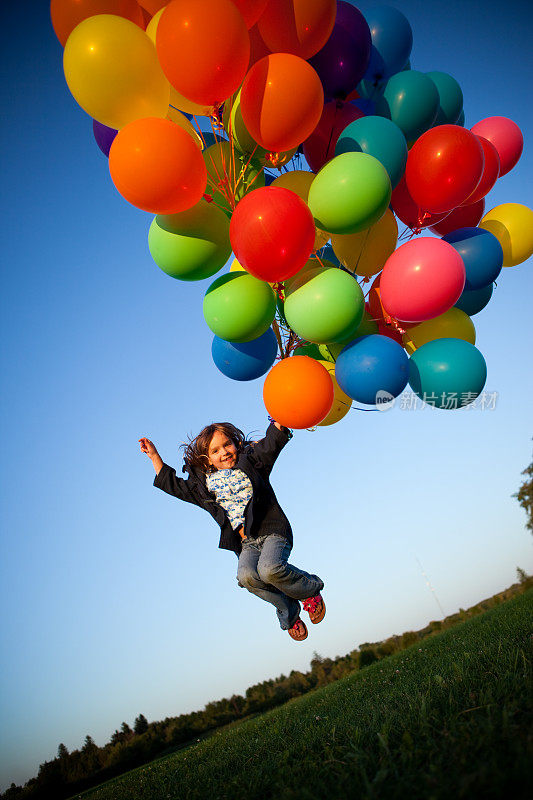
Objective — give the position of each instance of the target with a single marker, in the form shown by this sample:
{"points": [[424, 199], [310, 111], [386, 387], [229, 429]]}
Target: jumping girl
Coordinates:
{"points": [[228, 476]]}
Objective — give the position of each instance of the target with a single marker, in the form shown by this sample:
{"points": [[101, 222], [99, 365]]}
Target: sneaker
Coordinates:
{"points": [[316, 608], [298, 632]]}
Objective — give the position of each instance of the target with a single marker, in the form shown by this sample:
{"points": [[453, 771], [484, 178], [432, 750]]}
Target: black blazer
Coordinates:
{"points": [[263, 514]]}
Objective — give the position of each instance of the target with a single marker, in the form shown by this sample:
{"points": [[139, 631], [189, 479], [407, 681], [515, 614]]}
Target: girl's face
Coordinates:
{"points": [[222, 453]]}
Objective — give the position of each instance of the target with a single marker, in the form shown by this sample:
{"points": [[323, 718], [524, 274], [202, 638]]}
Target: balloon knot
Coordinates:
{"points": [[273, 158], [208, 198], [279, 289]]}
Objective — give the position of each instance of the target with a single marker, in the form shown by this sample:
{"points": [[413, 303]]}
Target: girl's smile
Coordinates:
{"points": [[222, 453]]}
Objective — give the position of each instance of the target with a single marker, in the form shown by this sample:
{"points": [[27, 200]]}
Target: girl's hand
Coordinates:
{"points": [[148, 447]]}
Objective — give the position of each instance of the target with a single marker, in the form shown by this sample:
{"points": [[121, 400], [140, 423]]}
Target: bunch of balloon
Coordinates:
{"points": [[292, 149]]}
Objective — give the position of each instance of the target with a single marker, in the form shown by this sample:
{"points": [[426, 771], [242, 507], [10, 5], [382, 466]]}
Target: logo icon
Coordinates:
{"points": [[384, 400]]}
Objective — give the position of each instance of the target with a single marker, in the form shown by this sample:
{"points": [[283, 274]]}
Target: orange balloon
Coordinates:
{"points": [[281, 101], [300, 27], [204, 48], [152, 6], [66, 14], [251, 10], [156, 166], [298, 392], [258, 48]]}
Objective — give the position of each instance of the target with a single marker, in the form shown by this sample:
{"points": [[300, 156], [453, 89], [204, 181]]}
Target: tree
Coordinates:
{"points": [[62, 751], [140, 725], [525, 495]]}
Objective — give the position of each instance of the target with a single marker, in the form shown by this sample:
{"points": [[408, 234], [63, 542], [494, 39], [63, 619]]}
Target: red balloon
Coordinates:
{"points": [[408, 211], [272, 233], [444, 167], [258, 47], [204, 48], [422, 279], [319, 148], [281, 101], [490, 175], [506, 137], [462, 217]]}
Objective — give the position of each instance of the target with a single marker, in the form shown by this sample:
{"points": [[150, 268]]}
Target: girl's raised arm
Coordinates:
{"points": [[149, 448]]}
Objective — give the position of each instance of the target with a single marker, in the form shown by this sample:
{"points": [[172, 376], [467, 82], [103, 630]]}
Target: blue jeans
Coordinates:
{"points": [[264, 571]]}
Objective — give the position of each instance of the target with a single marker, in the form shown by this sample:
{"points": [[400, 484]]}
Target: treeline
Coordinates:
{"points": [[71, 773]]}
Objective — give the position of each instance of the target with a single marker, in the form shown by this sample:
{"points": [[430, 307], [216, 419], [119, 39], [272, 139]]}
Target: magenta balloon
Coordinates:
{"points": [[422, 279]]}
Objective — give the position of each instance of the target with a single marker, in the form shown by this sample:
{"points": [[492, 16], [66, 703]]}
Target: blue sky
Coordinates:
{"points": [[116, 599]]}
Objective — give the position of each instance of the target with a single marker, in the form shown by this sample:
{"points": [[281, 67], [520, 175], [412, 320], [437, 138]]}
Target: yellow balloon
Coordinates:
{"points": [[177, 100], [512, 225], [180, 119], [365, 252], [453, 324], [112, 70], [341, 402], [236, 267]]}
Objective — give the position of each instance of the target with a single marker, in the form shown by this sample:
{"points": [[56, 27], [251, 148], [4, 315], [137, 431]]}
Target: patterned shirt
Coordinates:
{"points": [[233, 490]]}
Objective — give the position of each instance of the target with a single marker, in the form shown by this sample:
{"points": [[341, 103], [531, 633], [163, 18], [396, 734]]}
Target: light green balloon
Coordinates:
{"points": [[311, 350], [191, 245], [239, 307], [367, 326], [326, 305], [350, 193]]}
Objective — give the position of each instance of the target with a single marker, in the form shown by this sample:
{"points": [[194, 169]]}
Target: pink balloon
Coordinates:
{"points": [[422, 279], [506, 137]]}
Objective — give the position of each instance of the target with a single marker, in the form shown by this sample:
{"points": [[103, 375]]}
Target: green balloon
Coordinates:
{"points": [[311, 350], [411, 100], [450, 98], [367, 326], [235, 174], [326, 305], [191, 245], [239, 307], [350, 193]]}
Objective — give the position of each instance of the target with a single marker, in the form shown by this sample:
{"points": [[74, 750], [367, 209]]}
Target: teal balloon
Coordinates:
{"points": [[239, 307], [450, 98], [378, 137], [326, 305], [191, 245], [474, 300], [411, 101], [447, 373], [350, 193]]}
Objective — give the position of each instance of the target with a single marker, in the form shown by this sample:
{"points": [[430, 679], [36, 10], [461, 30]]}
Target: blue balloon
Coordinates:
{"points": [[247, 360], [447, 373], [482, 255], [392, 40], [378, 137], [368, 107], [474, 301], [372, 368]]}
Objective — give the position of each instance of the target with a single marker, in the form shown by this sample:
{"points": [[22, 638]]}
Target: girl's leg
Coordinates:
{"points": [[272, 568], [288, 609]]}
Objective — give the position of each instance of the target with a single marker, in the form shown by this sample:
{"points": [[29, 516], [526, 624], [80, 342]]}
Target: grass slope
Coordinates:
{"points": [[449, 717]]}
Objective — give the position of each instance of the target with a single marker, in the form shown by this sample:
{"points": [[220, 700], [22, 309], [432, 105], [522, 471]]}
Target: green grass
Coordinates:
{"points": [[450, 717]]}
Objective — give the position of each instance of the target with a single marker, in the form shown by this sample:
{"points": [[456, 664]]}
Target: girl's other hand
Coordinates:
{"points": [[147, 447]]}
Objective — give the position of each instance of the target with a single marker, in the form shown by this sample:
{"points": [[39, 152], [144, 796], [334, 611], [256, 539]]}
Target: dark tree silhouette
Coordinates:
{"points": [[525, 496]]}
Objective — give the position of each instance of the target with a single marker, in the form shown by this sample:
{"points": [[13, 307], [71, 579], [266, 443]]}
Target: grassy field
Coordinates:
{"points": [[449, 717]]}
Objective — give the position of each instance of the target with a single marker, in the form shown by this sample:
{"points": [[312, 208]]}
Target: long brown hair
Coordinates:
{"points": [[195, 452]]}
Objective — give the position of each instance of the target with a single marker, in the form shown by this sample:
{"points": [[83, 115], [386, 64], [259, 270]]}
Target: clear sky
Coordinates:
{"points": [[116, 600]]}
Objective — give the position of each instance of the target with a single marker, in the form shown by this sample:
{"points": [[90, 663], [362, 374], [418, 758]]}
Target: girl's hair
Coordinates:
{"points": [[195, 452]]}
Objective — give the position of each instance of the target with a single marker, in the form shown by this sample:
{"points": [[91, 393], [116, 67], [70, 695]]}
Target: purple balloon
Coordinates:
{"points": [[104, 136], [343, 60]]}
